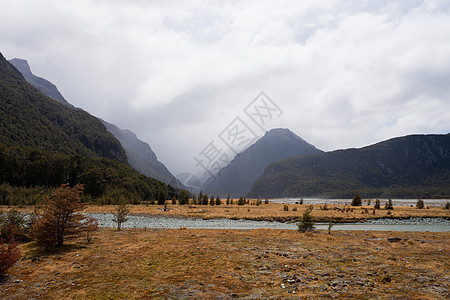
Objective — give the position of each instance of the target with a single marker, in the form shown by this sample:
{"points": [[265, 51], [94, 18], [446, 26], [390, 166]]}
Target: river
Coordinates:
{"points": [[149, 221]]}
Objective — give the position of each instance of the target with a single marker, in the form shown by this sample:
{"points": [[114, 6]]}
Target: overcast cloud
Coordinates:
{"points": [[345, 73]]}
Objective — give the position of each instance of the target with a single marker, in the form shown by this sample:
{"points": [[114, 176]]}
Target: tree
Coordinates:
{"points": [[420, 204], [357, 201], [121, 212], [211, 200], [218, 201], [228, 199], [377, 204], [174, 200], [184, 198], [307, 221], [389, 205], [241, 201], [161, 198], [60, 217]]}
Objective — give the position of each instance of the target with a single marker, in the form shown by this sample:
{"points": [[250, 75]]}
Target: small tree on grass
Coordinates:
{"points": [[121, 212], [389, 205], [241, 201], [218, 201], [357, 201], [9, 255], [377, 204], [420, 204], [61, 217], [307, 221]]}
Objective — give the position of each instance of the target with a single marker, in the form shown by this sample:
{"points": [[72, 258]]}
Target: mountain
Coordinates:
{"points": [[404, 167], [140, 155], [43, 85], [238, 177], [31, 119], [44, 144]]}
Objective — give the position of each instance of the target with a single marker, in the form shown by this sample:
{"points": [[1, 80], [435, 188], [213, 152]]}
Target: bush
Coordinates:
{"points": [[389, 205], [377, 204], [357, 201], [13, 225], [306, 222], [9, 255], [121, 212], [241, 201], [286, 207], [420, 204], [447, 205]]}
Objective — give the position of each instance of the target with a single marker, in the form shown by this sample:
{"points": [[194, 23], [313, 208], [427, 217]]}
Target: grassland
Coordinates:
{"points": [[276, 211], [224, 264]]}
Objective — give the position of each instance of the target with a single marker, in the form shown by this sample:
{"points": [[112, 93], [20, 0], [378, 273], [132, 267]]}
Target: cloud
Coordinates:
{"points": [[345, 73]]}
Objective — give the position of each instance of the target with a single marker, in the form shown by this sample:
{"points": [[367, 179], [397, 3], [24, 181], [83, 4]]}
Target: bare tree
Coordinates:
{"points": [[121, 212], [61, 217]]}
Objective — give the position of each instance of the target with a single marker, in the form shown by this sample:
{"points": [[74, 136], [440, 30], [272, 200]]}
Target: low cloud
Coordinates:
{"points": [[345, 73]]}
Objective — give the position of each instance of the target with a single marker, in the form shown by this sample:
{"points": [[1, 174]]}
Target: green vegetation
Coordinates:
{"points": [[31, 119], [420, 204], [307, 221], [44, 144], [416, 166], [356, 201]]}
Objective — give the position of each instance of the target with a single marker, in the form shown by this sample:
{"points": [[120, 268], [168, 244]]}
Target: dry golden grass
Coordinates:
{"points": [[224, 264], [271, 211]]}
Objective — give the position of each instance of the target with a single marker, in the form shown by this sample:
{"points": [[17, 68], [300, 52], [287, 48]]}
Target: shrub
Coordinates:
{"points": [[389, 205], [286, 207], [357, 201], [9, 255], [13, 225], [307, 221], [377, 204], [419, 204], [447, 205], [266, 201], [241, 201], [121, 212], [301, 201]]}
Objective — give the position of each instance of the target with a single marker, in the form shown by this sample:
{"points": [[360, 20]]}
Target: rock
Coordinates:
{"points": [[392, 240]]}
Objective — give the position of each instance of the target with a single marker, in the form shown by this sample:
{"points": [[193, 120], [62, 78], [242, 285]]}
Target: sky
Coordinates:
{"points": [[200, 80]]}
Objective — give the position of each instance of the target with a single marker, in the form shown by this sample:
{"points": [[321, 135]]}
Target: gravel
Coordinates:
{"points": [[149, 221]]}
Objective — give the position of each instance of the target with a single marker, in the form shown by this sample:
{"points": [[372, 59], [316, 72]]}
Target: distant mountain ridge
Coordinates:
{"points": [[238, 177], [43, 85], [410, 166], [140, 155], [31, 119]]}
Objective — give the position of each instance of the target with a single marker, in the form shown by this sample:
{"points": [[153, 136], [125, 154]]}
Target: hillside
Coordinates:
{"points": [[238, 177], [43, 85], [31, 119], [44, 143], [411, 166], [140, 156]]}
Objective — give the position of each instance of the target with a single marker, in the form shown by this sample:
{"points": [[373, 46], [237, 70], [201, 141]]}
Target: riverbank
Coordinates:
{"points": [[246, 264], [274, 211]]}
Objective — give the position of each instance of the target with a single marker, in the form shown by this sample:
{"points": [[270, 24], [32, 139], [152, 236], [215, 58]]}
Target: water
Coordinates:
{"points": [[148, 221]]}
